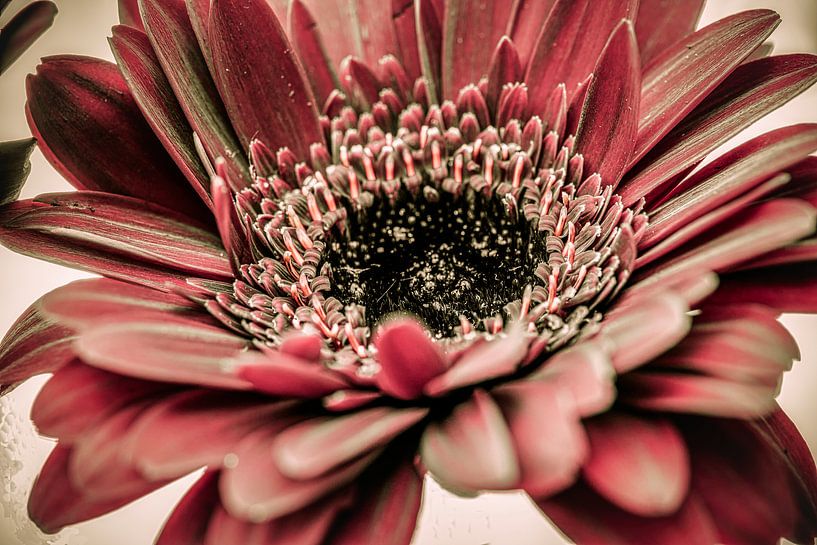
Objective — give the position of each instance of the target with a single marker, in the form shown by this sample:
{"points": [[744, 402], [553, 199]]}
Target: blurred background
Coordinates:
{"points": [[82, 27]]}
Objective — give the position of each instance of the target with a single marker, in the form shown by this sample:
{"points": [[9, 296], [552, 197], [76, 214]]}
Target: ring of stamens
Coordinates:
{"points": [[566, 234]]}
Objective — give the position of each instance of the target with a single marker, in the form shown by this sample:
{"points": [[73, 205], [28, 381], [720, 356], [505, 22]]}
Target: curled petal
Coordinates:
{"points": [[475, 431], [408, 358]]}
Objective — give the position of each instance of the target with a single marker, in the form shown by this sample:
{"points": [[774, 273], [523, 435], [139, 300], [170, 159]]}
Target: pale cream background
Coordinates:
{"points": [[82, 28]]}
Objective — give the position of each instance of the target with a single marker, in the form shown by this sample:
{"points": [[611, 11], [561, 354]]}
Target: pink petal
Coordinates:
{"points": [[496, 358], [530, 18], [641, 332], [587, 518], [314, 447], [78, 397], [23, 29], [156, 347], [475, 431], [252, 488], [783, 435], [154, 95], [194, 429], [308, 526], [565, 52], [97, 466], [751, 232], [170, 27], [749, 93], [429, 45], [608, 122], [33, 345], [85, 303], [91, 130], [377, 32], [339, 25], [729, 176], [683, 75], [640, 464], [699, 226], [129, 14], [55, 502], [504, 68], [586, 372], [280, 114], [403, 18], [126, 227], [387, 511], [730, 460], [188, 521], [42, 246], [471, 30], [661, 23], [549, 441], [408, 358], [306, 38], [14, 156], [792, 288], [696, 394], [288, 376]]}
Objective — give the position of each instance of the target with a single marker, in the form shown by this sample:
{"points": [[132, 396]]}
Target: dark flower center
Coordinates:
{"points": [[435, 256]]}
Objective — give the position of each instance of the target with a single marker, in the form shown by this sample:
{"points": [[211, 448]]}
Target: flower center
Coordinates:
{"points": [[435, 256], [467, 222]]}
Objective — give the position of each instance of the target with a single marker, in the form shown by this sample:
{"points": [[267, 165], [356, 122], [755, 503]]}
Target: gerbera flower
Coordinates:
{"points": [[471, 238]]}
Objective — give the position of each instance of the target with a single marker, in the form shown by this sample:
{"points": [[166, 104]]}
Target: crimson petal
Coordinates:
{"points": [[14, 167], [588, 519], [289, 376], [548, 438], [156, 347], [730, 175], [749, 233], [609, 118], [91, 130], [684, 74], [247, 496], [730, 460], [152, 91], [565, 52], [792, 288], [311, 50], [171, 32], [408, 358], [194, 429], [129, 14], [471, 30], [386, 513], [403, 18], [187, 524], [475, 431], [660, 23], [261, 79], [55, 502], [314, 447], [637, 333], [86, 303], [78, 397], [638, 463], [127, 227], [750, 92], [499, 357], [530, 16], [23, 30], [33, 345], [781, 432]]}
